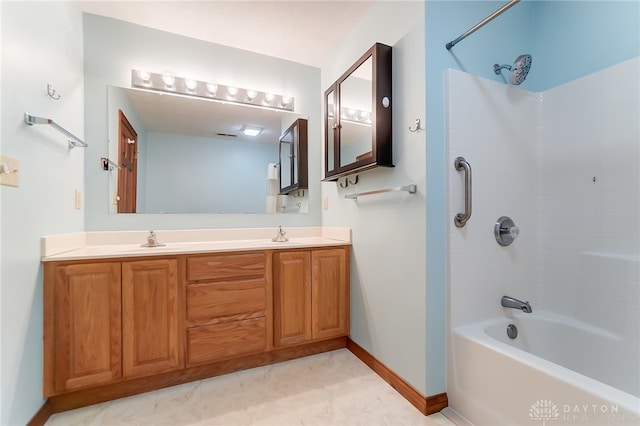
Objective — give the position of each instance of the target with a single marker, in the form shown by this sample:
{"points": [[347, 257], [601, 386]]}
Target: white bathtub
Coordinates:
{"points": [[557, 371]]}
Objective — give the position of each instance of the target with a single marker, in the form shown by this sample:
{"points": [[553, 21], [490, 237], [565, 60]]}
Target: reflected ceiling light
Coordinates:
{"points": [[356, 116], [202, 89], [251, 131]]}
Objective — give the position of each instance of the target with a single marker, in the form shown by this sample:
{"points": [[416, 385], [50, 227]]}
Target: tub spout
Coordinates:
{"points": [[510, 302]]}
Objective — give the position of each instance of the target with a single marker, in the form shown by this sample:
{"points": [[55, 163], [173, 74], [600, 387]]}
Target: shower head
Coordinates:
{"points": [[519, 70]]}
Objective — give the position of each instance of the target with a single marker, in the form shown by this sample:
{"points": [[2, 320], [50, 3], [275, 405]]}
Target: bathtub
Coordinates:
{"points": [[557, 371]]}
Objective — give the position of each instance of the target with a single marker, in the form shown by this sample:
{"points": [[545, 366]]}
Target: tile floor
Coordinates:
{"points": [[334, 388]]}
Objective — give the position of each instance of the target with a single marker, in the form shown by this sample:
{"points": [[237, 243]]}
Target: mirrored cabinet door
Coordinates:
{"points": [[330, 129], [293, 157], [286, 156], [358, 116], [356, 131]]}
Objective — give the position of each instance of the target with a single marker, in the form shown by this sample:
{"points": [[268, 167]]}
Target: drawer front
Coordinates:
{"points": [[207, 301], [226, 340], [222, 267]]}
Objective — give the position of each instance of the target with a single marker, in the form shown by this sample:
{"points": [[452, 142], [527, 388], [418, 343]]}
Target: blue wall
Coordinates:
{"points": [[221, 175], [568, 39]]}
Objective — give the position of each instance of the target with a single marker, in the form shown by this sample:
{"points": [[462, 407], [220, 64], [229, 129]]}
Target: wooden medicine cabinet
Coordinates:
{"points": [[358, 116], [293, 158]]}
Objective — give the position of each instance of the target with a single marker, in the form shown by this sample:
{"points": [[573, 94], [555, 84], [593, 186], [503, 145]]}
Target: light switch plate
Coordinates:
{"points": [[9, 171], [78, 199]]}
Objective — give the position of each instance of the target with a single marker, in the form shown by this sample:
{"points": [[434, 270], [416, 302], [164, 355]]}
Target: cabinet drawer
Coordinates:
{"points": [[206, 301], [226, 340], [221, 267]]}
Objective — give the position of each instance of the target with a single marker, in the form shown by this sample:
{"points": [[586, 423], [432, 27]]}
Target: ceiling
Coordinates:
{"points": [[303, 31]]}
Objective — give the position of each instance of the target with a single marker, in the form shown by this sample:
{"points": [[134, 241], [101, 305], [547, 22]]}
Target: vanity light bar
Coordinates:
{"points": [[208, 90]]}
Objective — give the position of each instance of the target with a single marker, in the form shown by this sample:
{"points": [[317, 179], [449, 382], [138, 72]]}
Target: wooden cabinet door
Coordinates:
{"points": [[82, 326], [292, 297], [330, 293], [150, 317]]}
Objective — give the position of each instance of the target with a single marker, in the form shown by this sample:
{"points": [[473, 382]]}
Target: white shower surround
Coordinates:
{"points": [[534, 158]]}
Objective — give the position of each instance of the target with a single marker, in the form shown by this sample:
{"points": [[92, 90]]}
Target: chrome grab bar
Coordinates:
{"points": [[461, 218]]}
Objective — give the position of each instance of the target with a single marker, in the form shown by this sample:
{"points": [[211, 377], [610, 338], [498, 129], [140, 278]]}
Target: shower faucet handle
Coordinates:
{"points": [[505, 231]]}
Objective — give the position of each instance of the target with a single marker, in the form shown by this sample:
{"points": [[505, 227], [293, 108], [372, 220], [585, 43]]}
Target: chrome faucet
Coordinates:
{"points": [[152, 240], [280, 238], [510, 302]]}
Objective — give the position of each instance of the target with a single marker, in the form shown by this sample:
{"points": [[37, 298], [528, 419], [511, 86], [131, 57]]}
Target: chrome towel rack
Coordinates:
{"points": [[74, 141], [411, 189], [108, 164]]}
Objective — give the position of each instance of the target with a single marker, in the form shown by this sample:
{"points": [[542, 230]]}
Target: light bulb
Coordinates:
{"points": [[232, 91], [169, 79], [251, 94], [269, 97], [144, 75], [286, 100], [190, 83], [212, 88]]}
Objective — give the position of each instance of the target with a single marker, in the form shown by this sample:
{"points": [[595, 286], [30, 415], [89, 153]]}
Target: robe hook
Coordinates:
{"points": [[417, 126], [347, 181], [51, 92]]}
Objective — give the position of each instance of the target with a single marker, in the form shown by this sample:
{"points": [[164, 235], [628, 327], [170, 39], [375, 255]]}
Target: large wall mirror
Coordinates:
{"points": [[190, 155]]}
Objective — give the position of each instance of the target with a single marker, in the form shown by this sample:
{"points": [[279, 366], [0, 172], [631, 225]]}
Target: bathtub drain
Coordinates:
{"points": [[512, 331]]}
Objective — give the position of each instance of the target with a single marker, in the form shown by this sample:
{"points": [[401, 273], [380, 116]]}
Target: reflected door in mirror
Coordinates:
{"points": [[128, 173]]}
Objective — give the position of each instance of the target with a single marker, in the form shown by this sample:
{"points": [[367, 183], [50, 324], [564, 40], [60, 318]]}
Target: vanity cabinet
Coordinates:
{"points": [[150, 318], [82, 326], [121, 326], [358, 116], [109, 321], [227, 306], [311, 295]]}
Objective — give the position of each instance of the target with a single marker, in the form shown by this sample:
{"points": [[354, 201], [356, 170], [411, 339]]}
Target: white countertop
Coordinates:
{"points": [[104, 245]]}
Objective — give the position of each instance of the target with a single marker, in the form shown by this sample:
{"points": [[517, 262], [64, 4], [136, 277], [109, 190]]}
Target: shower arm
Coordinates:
{"points": [[481, 24], [497, 68]]}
